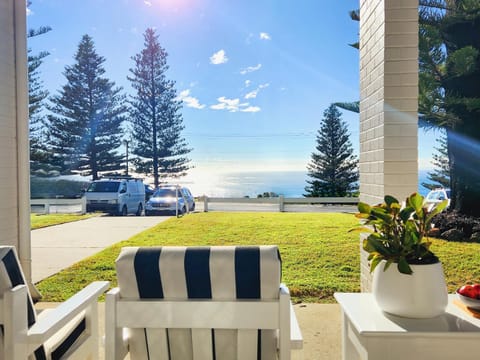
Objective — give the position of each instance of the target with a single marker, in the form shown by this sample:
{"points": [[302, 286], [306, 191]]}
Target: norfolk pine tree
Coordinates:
{"points": [[333, 167], [155, 116], [440, 175], [85, 127], [39, 161]]}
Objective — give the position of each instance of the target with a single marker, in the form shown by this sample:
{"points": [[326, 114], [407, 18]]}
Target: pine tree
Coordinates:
{"points": [[449, 94], [39, 156], [333, 168], [85, 128], [440, 176], [157, 123]]}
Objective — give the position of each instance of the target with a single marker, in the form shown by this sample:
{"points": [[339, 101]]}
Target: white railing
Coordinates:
{"points": [[281, 201], [80, 204]]}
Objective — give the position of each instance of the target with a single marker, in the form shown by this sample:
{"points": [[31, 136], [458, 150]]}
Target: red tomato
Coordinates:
{"points": [[468, 290], [476, 287]]}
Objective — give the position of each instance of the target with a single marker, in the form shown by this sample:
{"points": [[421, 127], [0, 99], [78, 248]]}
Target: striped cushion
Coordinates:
{"points": [[11, 275], [180, 273]]}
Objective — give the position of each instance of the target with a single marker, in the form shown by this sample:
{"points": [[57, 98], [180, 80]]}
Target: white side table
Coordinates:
{"points": [[369, 333]]}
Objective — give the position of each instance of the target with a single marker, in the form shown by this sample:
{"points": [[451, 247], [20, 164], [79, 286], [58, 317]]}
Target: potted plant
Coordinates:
{"points": [[408, 278]]}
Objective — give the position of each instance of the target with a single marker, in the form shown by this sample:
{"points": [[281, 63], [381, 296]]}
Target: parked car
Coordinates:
{"points": [[437, 195], [117, 196], [148, 192], [167, 199]]}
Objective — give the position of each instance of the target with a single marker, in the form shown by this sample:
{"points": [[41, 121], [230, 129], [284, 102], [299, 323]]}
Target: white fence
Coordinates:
{"points": [[281, 202], [59, 205]]}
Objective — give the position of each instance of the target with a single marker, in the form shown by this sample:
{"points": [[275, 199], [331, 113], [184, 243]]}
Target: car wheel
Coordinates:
{"points": [[124, 210], [183, 211], [139, 210]]}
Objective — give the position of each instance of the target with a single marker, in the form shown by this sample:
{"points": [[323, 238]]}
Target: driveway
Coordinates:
{"points": [[57, 247]]}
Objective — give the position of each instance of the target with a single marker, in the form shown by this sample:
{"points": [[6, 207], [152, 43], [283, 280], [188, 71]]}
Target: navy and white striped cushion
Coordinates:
{"points": [[12, 275], [180, 273]]}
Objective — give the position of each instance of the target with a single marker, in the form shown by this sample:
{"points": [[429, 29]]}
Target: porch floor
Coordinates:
{"points": [[320, 325]]}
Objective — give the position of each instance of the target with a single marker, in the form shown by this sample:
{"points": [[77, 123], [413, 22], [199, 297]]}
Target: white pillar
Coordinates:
{"points": [[14, 145], [388, 99], [388, 104]]}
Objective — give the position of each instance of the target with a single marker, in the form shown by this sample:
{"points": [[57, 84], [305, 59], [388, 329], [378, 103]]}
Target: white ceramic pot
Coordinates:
{"points": [[422, 294]]}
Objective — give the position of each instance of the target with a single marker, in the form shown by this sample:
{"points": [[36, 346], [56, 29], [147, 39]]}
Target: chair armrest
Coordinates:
{"points": [[296, 339], [54, 320]]}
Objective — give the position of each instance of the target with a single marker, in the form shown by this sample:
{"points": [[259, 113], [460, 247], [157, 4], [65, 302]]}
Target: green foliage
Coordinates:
{"points": [[333, 168], [351, 106], [449, 91], [155, 115], [85, 127], [50, 188], [440, 176], [397, 234], [36, 104]]}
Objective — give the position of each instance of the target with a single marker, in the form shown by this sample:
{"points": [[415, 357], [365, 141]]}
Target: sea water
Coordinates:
{"points": [[254, 183]]}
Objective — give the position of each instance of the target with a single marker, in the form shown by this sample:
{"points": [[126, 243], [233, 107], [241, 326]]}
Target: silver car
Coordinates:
{"points": [[170, 199], [436, 196]]}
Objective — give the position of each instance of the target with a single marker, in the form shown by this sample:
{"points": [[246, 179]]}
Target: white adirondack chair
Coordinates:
{"points": [[184, 303], [69, 331]]}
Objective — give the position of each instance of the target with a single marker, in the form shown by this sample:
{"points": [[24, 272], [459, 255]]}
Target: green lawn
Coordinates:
{"points": [[38, 221], [319, 255]]}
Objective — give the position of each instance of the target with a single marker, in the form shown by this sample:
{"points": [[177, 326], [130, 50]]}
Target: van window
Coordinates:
{"points": [[103, 186]]}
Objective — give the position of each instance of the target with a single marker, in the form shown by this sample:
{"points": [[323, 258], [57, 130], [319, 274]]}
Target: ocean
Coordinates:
{"points": [[253, 183]]}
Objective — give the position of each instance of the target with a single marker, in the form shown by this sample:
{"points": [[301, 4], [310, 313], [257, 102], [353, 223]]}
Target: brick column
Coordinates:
{"points": [[388, 102]]}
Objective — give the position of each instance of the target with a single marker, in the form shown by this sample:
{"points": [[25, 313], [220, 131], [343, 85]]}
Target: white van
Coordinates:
{"points": [[117, 196]]}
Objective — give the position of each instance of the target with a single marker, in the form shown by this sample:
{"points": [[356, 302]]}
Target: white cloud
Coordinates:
{"points": [[189, 101], [264, 36], [250, 69], [29, 12], [253, 94], [233, 105], [248, 83], [252, 109], [148, 3], [218, 58]]}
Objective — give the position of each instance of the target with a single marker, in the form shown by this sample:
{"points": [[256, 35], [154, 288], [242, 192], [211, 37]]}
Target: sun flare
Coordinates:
{"points": [[168, 5]]}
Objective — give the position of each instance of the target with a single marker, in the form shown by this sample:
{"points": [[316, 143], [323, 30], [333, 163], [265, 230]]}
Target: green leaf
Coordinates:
{"points": [[375, 261], [404, 267], [438, 208], [382, 214], [361, 229], [389, 200], [387, 265], [416, 201], [373, 244], [411, 233], [364, 208], [406, 213]]}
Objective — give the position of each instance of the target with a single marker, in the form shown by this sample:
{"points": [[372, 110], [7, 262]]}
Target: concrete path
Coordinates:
{"points": [[57, 247]]}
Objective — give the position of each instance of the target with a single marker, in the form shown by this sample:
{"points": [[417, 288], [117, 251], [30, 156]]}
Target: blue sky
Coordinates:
{"points": [[255, 76]]}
